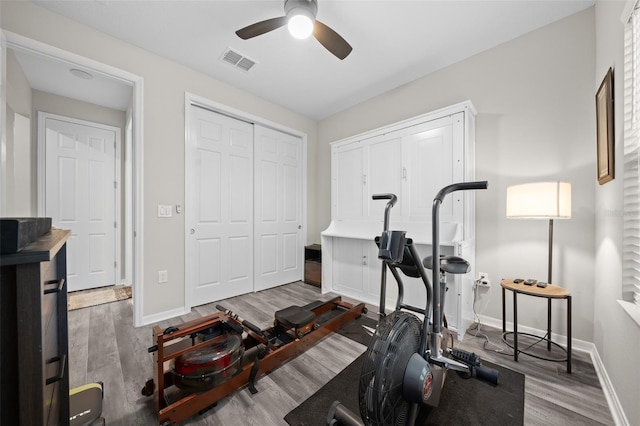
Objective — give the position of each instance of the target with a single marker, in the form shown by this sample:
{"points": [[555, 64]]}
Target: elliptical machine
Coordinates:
{"points": [[405, 363]]}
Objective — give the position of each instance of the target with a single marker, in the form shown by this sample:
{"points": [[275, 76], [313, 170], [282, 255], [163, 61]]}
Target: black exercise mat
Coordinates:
{"points": [[463, 401], [355, 330]]}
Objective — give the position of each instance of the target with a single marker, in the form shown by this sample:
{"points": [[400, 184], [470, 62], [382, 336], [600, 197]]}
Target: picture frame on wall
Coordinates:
{"points": [[604, 130]]}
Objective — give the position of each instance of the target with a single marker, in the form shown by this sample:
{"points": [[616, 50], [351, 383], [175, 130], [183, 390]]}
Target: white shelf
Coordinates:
{"points": [[419, 232]]}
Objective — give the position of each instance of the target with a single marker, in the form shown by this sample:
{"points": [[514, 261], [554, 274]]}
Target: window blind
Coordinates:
{"points": [[631, 174]]}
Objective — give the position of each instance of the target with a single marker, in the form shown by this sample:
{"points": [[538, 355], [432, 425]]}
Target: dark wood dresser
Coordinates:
{"points": [[34, 371]]}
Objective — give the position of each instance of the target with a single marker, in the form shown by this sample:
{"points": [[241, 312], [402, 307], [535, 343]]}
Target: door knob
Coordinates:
{"points": [[193, 231]]}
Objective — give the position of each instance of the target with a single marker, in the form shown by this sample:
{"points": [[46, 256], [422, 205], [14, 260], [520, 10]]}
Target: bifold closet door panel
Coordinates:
{"points": [[244, 207], [219, 207], [278, 208]]}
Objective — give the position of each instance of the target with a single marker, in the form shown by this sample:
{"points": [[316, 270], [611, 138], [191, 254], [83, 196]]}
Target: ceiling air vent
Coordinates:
{"points": [[237, 59]]}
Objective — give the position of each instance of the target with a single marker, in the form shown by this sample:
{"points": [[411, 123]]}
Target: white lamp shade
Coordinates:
{"points": [[540, 200]]}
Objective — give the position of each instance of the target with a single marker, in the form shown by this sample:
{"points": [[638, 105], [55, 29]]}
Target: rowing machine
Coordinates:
{"points": [[199, 362]]}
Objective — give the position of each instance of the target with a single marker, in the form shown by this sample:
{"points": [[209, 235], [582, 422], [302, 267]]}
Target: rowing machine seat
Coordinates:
{"points": [[294, 317], [449, 264]]}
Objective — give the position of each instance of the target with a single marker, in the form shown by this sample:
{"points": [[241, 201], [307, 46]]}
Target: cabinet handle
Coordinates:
{"points": [[404, 173], [364, 179], [57, 289], [63, 362]]}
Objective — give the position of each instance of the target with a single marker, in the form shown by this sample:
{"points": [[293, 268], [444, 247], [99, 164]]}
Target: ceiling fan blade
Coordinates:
{"points": [[261, 27], [331, 40]]}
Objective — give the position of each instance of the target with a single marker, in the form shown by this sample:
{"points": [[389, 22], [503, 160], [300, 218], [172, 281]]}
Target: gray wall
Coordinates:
{"points": [[616, 336], [55, 104], [17, 201]]}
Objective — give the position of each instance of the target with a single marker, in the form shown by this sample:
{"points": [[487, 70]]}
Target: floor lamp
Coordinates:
{"points": [[540, 200]]}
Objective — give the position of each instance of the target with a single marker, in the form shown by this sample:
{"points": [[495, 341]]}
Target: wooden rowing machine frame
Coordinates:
{"points": [[167, 347]]}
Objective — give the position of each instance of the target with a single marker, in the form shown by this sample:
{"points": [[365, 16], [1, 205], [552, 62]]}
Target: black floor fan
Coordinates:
{"points": [[405, 363]]}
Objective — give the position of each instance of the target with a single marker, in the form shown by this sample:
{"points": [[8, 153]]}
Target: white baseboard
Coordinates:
{"points": [[615, 407], [161, 316], [609, 392]]}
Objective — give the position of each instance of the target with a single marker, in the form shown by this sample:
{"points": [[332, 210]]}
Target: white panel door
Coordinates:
{"points": [[385, 171], [349, 171], [219, 207], [278, 208], [80, 195], [427, 155]]}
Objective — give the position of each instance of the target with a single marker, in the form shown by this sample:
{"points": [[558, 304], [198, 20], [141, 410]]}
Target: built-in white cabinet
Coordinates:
{"points": [[413, 159]]}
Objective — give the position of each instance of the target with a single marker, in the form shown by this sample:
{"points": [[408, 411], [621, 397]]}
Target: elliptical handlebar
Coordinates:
{"points": [[391, 197], [461, 186], [387, 210]]}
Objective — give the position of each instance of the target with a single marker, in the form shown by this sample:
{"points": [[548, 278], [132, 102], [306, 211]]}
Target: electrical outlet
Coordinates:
{"points": [[483, 279], [163, 277]]}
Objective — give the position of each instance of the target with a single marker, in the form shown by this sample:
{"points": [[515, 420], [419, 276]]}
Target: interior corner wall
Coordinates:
{"points": [[616, 335], [163, 177], [19, 100], [18, 89], [535, 102]]}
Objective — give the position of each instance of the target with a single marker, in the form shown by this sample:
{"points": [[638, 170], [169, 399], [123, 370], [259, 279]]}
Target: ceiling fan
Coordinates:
{"points": [[300, 17]]}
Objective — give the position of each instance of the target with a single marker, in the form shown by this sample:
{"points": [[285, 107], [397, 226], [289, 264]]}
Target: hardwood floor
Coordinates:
{"points": [[104, 346]]}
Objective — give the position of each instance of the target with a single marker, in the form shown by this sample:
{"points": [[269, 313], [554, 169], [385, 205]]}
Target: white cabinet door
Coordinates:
{"points": [[278, 208], [357, 271], [220, 252], [350, 193], [349, 273], [383, 159], [430, 161]]}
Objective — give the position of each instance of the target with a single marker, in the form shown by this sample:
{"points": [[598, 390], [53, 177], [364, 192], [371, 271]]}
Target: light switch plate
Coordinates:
{"points": [[165, 210]]}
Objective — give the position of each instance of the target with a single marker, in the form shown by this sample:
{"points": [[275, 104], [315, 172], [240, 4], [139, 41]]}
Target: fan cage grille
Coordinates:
{"points": [[397, 337]]}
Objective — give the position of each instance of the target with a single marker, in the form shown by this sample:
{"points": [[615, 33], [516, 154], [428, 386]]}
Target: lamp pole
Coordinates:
{"points": [[550, 251]]}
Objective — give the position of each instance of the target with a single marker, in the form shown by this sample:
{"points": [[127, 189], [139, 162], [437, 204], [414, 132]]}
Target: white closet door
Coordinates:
{"points": [[220, 207], [79, 195], [278, 208]]}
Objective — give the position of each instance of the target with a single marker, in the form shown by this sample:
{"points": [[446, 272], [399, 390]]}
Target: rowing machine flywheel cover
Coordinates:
{"points": [[380, 390], [210, 365]]}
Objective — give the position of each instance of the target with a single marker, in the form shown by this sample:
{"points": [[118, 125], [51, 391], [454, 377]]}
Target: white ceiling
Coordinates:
{"points": [[394, 42]]}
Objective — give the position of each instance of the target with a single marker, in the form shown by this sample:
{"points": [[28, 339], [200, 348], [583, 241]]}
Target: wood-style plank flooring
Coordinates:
{"points": [[104, 346]]}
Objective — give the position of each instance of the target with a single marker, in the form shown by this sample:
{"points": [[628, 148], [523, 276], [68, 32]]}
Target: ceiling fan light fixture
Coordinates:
{"points": [[300, 23]]}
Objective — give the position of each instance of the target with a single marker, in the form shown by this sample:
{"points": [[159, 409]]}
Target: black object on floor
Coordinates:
{"points": [[359, 329], [463, 401]]}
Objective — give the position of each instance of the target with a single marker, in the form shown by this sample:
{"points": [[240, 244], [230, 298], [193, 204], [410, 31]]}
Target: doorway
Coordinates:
{"points": [[80, 185], [132, 202]]}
